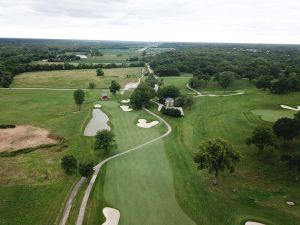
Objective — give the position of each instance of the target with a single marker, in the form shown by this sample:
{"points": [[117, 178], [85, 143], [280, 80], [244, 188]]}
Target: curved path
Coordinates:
{"points": [[211, 95], [99, 166]]}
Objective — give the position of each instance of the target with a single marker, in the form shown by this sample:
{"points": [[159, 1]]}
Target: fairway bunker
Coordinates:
{"points": [[290, 108], [253, 223], [97, 123], [23, 137], [112, 216], [125, 101], [125, 108], [142, 123]]}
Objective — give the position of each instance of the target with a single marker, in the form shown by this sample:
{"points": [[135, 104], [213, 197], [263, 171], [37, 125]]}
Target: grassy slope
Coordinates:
{"points": [[258, 190], [140, 185], [75, 78], [33, 186]]}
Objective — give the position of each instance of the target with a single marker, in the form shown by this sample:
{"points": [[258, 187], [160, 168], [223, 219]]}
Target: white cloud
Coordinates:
{"points": [[264, 21]]}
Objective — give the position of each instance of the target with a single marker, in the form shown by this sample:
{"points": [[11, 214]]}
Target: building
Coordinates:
{"points": [[169, 102], [104, 97]]}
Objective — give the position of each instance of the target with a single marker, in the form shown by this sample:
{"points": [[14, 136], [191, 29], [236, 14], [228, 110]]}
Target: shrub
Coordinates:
{"points": [[92, 85], [5, 126], [171, 112]]}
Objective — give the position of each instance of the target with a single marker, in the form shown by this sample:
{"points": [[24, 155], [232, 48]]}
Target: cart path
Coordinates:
{"points": [[70, 201], [99, 166], [199, 94]]}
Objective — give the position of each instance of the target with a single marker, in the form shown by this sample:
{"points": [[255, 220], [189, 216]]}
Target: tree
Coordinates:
{"points": [[114, 87], [168, 92], [293, 161], [87, 169], [105, 140], [185, 101], [215, 156], [78, 96], [99, 72], [195, 82], [141, 96], [281, 86], [286, 128], [226, 78], [69, 164], [92, 85], [264, 82], [261, 137]]}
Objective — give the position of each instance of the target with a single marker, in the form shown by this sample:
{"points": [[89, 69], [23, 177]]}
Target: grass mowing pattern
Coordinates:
{"points": [[139, 184]]}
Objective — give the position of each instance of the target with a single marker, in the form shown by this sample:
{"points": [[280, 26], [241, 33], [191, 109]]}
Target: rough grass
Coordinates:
{"points": [[261, 185], [76, 78], [33, 187]]}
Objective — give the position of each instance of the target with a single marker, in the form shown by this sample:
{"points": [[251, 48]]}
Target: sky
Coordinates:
{"points": [[234, 21]]}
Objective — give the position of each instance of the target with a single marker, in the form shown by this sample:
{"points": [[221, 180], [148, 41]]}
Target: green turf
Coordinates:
{"points": [[76, 78], [273, 115], [259, 188], [140, 184]]}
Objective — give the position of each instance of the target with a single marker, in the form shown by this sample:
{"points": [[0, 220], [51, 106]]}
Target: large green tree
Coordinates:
{"points": [[216, 156], [226, 78], [69, 164], [78, 96], [169, 92], [86, 169], [114, 87], [264, 82], [261, 137], [141, 96], [287, 128], [105, 140]]}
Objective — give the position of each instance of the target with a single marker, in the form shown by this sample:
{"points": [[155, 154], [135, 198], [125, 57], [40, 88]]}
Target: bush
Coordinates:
{"points": [[69, 164], [171, 112], [86, 170], [92, 85], [99, 72], [5, 126]]}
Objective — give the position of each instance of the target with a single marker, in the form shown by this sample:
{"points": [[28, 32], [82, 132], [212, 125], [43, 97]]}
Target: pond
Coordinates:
{"points": [[97, 123]]}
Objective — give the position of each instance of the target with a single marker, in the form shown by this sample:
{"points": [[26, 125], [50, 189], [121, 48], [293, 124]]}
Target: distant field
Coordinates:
{"points": [[76, 78]]}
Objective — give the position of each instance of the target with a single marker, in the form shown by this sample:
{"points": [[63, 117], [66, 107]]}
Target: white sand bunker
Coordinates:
{"points": [[112, 216], [290, 108], [125, 101], [126, 108], [253, 223], [97, 106], [143, 123], [290, 203]]}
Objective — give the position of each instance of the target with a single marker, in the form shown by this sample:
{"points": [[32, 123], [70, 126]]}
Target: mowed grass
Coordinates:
{"points": [[139, 184], [33, 187], [76, 78], [261, 185]]}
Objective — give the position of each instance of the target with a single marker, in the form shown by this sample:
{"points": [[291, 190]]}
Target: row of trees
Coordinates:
{"points": [[280, 85]]}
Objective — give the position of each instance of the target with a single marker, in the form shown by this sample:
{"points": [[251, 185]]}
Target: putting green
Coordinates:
{"points": [[272, 115]]}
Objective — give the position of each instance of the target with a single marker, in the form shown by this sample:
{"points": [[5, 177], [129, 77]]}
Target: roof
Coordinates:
{"points": [[169, 99]]}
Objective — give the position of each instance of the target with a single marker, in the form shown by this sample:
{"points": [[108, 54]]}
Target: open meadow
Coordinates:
{"points": [[76, 78]]}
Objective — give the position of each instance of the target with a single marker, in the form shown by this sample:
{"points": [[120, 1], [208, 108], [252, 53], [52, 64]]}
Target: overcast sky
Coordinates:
{"points": [[254, 21]]}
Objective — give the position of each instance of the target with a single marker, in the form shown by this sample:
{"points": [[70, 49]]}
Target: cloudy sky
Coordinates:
{"points": [[254, 21]]}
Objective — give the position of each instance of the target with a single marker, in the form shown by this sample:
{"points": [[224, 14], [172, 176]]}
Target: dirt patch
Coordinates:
{"points": [[22, 137]]}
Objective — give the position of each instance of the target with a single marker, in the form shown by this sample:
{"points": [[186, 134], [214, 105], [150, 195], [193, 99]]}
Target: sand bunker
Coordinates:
{"points": [[143, 123], [253, 223], [125, 101], [290, 108], [97, 106], [21, 137], [97, 123], [290, 203], [125, 108], [112, 216]]}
